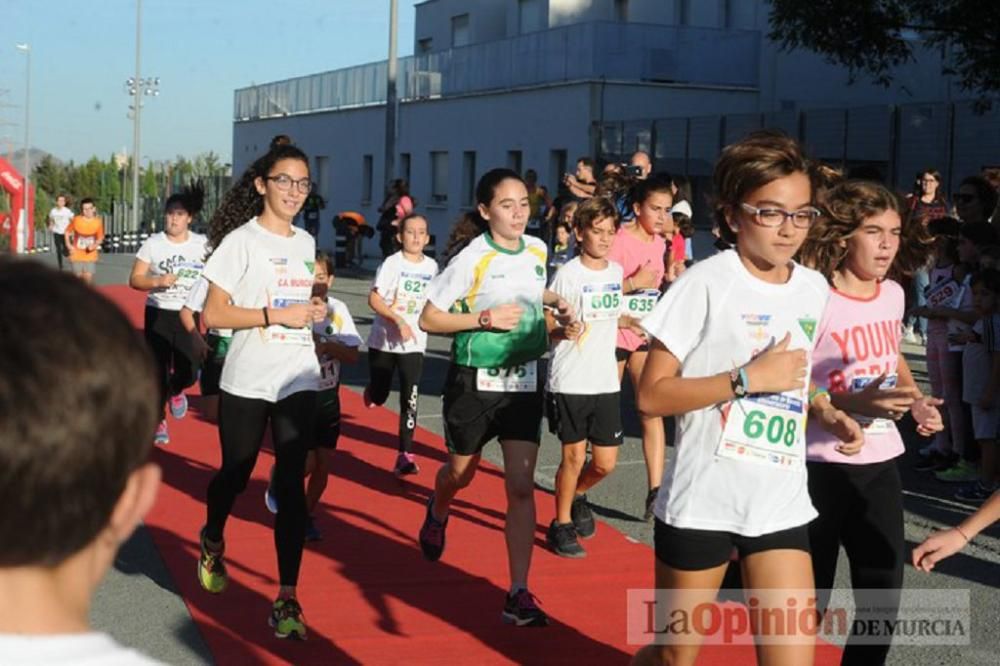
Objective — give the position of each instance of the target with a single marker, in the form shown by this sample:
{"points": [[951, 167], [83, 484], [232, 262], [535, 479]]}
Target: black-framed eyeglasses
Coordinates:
{"points": [[775, 217], [284, 183]]}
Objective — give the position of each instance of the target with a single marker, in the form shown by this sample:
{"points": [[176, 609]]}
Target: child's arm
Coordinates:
{"points": [[338, 350], [925, 408], [835, 421], [663, 392], [141, 279], [381, 308], [946, 543], [186, 316]]}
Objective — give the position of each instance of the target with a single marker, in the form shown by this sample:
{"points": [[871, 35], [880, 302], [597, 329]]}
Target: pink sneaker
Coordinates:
{"points": [[161, 437], [406, 464], [179, 406]]}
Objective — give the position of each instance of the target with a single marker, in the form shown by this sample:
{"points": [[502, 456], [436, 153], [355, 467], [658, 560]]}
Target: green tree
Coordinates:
{"points": [[876, 36], [147, 187]]}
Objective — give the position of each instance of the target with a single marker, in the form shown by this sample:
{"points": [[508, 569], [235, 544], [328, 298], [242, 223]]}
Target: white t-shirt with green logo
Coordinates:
{"points": [[587, 365], [739, 465], [403, 285], [258, 268], [482, 276]]}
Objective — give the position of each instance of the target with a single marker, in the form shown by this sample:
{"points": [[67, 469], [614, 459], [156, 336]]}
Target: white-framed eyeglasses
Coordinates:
{"points": [[775, 217]]}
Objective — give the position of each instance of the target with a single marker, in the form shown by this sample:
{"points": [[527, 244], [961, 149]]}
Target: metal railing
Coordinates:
{"points": [[583, 51]]}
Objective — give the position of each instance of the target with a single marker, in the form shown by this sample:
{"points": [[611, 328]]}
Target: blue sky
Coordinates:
{"points": [[202, 50]]}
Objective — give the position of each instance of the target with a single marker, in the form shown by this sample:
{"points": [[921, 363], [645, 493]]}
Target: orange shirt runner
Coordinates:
{"points": [[87, 235]]}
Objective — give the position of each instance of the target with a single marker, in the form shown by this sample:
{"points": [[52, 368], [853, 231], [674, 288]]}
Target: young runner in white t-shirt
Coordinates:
{"points": [[337, 341], [59, 218], [729, 355], [583, 387], [261, 274], [396, 342], [490, 298], [167, 266], [857, 358]]}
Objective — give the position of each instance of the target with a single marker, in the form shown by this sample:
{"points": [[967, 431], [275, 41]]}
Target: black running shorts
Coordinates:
{"points": [[473, 417], [695, 550], [594, 418]]}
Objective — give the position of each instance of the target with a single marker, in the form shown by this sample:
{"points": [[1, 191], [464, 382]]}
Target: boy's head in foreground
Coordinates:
{"points": [[78, 407]]}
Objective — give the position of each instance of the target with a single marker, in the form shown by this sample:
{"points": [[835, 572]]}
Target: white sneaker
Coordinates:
{"points": [[910, 336]]}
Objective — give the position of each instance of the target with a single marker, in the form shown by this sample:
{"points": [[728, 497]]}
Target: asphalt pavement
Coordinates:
{"points": [[139, 606]]}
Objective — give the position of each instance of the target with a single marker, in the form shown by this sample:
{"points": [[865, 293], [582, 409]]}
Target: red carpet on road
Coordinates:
{"points": [[369, 596]]}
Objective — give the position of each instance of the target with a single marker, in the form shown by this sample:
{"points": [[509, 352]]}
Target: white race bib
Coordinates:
{"points": [[641, 303], [602, 301], [292, 284], [873, 426], [329, 373], [515, 379], [86, 242], [947, 294], [766, 429], [411, 293], [187, 273]]}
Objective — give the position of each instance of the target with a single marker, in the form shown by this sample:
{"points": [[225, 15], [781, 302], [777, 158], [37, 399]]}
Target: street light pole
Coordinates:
{"points": [[390, 98], [26, 48], [137, 111]]}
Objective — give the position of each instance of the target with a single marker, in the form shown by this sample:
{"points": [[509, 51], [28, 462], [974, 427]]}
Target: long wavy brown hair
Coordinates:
{"points": [[845, 206]]}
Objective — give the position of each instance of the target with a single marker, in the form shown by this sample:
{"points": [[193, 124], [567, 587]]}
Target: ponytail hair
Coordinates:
{"points": [[242, 202], [472, 224], [191, 198]]}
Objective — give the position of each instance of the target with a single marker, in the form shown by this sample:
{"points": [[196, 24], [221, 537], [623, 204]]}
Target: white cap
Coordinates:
{"points": [[682, 207]]}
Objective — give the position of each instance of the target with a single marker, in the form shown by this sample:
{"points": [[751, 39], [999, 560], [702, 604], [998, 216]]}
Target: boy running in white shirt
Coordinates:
{"points": [[396, 341], [583, 387]]}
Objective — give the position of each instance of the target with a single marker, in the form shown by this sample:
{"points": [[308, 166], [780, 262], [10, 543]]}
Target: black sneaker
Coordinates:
{"points": [[521, 609], [561, 539], [583, 517], [432, 534], [650, 503]]}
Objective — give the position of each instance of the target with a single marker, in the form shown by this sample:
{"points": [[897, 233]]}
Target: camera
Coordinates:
{"points": [[632, 171]]}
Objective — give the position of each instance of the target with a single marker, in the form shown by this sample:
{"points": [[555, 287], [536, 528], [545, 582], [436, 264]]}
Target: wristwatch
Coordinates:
{"points": [[737, 381], [485, 319]]}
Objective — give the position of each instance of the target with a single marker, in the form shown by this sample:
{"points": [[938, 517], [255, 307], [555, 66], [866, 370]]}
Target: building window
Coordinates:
{"points": [[439, 177], [367, 167], [404, 166], [468, 178], [425, 45], [683, 12], [530, 16], [514, 160], [621, 10], [459, 30]]}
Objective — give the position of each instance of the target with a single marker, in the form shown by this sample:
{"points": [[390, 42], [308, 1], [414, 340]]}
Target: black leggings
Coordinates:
{"points": [[381, 366], [861, 507], [171, 346], [241, 428]]}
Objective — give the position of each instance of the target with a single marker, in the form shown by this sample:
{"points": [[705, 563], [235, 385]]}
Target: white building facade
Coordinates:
{"points": [[538, 83]]}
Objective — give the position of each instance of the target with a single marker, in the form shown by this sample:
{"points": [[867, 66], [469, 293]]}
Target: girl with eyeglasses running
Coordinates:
{"points": [[261, 275], [858, 242], [729, 355]]}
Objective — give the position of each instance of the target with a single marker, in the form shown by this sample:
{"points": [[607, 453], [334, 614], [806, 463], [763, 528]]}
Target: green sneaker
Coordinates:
{"points": [[286, 618], [961, 472], [211, 569]]}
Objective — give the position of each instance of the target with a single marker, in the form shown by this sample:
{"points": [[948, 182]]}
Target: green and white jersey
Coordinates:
{"points": [[483, 276]]}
